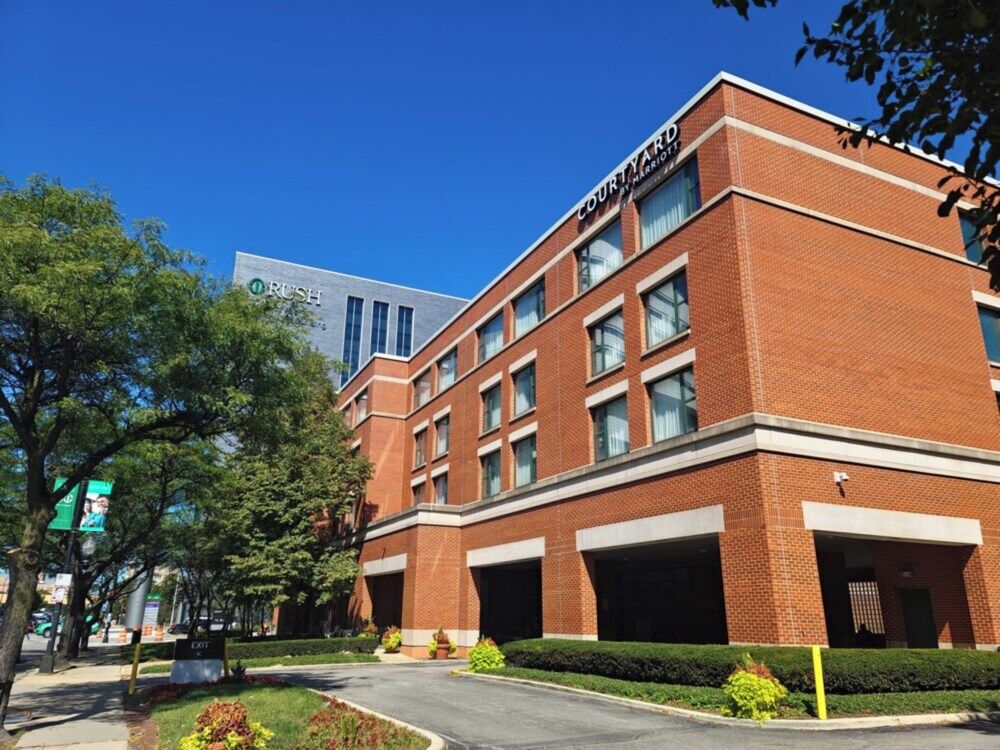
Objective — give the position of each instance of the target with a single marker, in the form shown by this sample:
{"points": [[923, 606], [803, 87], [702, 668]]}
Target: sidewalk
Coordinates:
{"points": [[80, 708]]}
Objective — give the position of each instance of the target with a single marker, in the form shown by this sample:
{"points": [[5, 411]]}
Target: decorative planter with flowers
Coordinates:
{"points": [[441, 646]]}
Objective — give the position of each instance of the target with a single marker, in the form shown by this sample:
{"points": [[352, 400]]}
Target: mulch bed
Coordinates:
{"points": [[141, 727]]}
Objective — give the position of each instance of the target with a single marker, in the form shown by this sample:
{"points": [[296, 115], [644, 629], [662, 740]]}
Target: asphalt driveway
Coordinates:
{"points": [[479, 714]]}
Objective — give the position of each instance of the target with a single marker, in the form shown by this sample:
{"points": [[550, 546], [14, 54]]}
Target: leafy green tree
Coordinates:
{"points": [[109, 338], [937, 67]]}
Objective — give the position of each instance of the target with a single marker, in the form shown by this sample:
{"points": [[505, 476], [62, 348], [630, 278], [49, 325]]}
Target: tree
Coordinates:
{"points": [[937, 66], [109, 338]]}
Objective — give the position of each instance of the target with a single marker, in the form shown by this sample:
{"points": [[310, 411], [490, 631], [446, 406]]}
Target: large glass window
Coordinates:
{"points": [[447, 369], [670, 204], [420, 493], [600, 257], [672, 404], [973, 244], [524, 390], [525, 461], [441, 431], [611, 429], [422, 390], [491, 408], [529, 309], [667, 312], [361, 410], [607, 343], [441, 489], [380, 327], [491, 473], [990, 322], [491, 337], [404, 331], [352, 337], [419, 459]]}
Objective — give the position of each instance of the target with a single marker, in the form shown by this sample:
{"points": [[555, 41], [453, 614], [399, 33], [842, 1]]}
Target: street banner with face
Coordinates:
{"points": [[95, 507]]}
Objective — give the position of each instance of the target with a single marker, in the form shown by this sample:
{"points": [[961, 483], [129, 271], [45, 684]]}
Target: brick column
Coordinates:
{"points": [[771, 584], [981, 574], [569, 602], [431, 588]]}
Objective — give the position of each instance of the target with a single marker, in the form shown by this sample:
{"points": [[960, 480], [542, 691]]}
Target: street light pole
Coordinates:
{"points": [[48, 662]]}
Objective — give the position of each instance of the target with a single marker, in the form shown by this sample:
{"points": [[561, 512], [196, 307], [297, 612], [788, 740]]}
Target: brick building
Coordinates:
{"points": [[744, 391]]}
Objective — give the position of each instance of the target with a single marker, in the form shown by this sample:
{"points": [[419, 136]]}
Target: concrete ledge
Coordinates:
{"points": [[868, 523], [683, 524], [528, 549], [808, 725], [386, 565]]}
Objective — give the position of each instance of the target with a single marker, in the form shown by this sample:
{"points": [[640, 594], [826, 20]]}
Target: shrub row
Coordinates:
{"points": [[846, 671], [262, 648]]}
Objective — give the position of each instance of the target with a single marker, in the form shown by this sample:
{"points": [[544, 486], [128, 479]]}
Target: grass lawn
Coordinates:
{"points": [[271, 661], [285, 710], [800, 705]]}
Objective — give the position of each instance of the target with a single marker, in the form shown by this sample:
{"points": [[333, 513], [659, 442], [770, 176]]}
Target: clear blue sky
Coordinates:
{"points": [[420, 143]]}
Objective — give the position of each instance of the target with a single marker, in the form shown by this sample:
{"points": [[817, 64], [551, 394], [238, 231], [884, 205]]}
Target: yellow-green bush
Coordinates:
{"points": [[485, 655], [392, 639], [752, 692], [226, 725]]}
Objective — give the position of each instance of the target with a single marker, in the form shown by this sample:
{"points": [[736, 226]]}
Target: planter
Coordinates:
{"points": [[442, 651]]}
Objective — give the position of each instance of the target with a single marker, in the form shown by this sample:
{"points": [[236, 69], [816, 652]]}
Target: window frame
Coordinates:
{"points": [[592, 330], [453, 356], [534, 458], [443, 477], [584, 251], [983, 310], [538, 289], [688, 427], [404, 334], [534, 390], [975, 244], [483, 474], [422, 486], [358, 414], [379, 328], [675, 308], [481, 341], [603, 407], [425, 375], [446, 420], [482, 397], [420, 448], [683, 171]]}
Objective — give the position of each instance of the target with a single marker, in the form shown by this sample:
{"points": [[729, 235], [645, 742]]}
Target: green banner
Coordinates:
{"points": [[95, 507]]}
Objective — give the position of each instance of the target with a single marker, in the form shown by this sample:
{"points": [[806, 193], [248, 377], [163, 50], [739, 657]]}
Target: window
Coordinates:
{"points": [[529, 309], [361, 410], [973, 244], [524, 390], [418, 449], [491, 337], [441, 430], [990, 322], [607, 343], [419, 493], [491, 473], [441, 489], [491, 408], [670, 204], [447, 369], [422, 389], [599, 258], [667, 312], [404, 331], [525, 459], [611, 429], [352, 337], [672, 404], [380, 327]]}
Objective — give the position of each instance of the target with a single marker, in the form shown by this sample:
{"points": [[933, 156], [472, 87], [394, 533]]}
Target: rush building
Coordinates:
{"points": [[744, 391]]}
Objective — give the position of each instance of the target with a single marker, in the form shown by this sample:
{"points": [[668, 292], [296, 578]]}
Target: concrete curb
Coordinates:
{"points": [[437, 743], [808, 725]]}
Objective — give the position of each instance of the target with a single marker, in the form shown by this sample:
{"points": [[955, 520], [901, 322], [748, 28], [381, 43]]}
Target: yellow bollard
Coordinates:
{"points": [[135, 668], [818, 677]]}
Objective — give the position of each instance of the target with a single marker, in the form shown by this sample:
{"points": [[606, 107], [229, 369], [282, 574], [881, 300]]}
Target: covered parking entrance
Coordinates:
{"points": [[384, 581], [508, 578]]}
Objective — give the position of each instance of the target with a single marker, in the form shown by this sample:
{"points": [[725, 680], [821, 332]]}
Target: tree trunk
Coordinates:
{"points": [[24, 566], [69, 646]]}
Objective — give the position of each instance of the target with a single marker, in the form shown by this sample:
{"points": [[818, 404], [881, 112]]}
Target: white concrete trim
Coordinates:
{"points": [[657, 277], [529, 549], [393, 564], [606, 394], [995, 384], [489, 447], [442, 413], [490, 382], [668, 366], [420, 426], [683, 524], [417, 481], [356, 444], [522, 432], [442, 469], [986, 300], [870, 523], [572, 636], [522, 362], [604, 311]]}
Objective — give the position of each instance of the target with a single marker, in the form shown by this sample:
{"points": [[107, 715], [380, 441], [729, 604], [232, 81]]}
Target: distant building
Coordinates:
{"points": [[355, 317]]}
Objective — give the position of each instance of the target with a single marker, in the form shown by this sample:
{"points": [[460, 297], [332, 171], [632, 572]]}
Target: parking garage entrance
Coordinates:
{"points": [[510, 601], [386, 592], [666, 593]]}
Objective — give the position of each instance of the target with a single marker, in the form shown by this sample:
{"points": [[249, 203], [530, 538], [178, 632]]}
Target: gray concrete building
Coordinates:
{"points": [[355, 317]]}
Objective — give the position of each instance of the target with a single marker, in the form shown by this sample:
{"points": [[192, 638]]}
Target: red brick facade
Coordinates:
{"points": [[833, 329]]}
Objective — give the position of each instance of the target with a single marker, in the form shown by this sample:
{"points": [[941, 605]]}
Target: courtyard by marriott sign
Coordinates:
{"points": [[654, 155], [285, 291]]}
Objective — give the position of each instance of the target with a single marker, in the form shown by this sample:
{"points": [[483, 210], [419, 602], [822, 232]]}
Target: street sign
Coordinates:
{"points": [[95, 507], [60, 590], [198, 659], [199, 648]]}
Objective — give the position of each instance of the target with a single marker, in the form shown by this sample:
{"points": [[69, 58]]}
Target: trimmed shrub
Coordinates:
{"points": [[846, 671], [225, 725], [392, 639], [485, 655], [752, 692]]}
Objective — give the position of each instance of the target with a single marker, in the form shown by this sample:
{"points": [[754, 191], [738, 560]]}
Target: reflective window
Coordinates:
{"points": [[529, 309], [491, 408], [422, 389], [672, 404], [610, 429], [600, 257], [362, 406], [491, 473], [667, 312], [524, 390], [418, 449], [989, 320], [404, 331], [441, 429], [441, 489], [525, 460], [973, 244], [447, 369], [491, 337], [420, 493], [670, 204], [607, 343], [380, 327], [352, 337]]}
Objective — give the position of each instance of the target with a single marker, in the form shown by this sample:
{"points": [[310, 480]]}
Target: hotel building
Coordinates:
{"points": [[744, 391]]}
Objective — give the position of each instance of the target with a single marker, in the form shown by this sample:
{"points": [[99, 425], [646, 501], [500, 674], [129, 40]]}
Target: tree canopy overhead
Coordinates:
{"points": [[936, 64]]}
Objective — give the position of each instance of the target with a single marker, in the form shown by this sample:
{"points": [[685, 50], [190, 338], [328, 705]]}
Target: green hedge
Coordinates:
{"points": [[846, 671], [262, 648]]}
